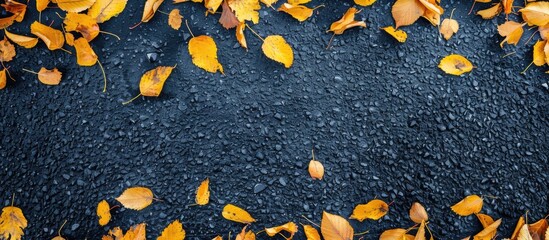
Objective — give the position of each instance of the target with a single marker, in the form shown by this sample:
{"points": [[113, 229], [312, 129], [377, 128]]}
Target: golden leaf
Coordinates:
{"points": [[49, 77], [7, 21], [151, 85], [399, 35], [75, 5], [488, 232], [7, 50], [432, 17], [58, 238], [41, 5], [297, 2], [407, 12], [485, 220], [18, 9], [420, 234], [448, 28], [544, 32], [519, 225], [228, 19], [431, 5], [103, 212], [174, 231], [181, 1], [539, 54], [3, 78], [418, 213], [374, 209], [364, 3], [23, 41], [175, 19], [512, 31], [316, 169], [456, 65], [69, 38], [204, 53], [490, 12], [245, 10], [538, 228], [203, 193], [334, 227], [472, 203], [85, 56], [394, 234], [276, 48], [346, 22], [299, 12], [245, 235], [103, 10], [507, 6], [136, 232], [311, 233], [53, 38], [136, 198], [212, 5], [12, 223], [240, 35], [150, 9], [236, 214], [524, 234], [536, 13], [269, 3], [83, 24], [289, 227]]}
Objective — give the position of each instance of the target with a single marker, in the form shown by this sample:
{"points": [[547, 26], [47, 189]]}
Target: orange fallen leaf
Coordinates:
{"points": [[245, 235], [150, 9], [12, 223], [240, 35], [53, 38], [484, 219], [212, 5], [7, 50], [3, 79], [204, 53], [289, 227], [374, 209], [49, 77], [536, 13], [418, 213], [228, 19], [245, 10], [69, 39], [237, 214], [297, 2], [521, 222], [507, 6], [539, 53], [136, 198], [84, 24], [103, 10], [103, 212], [175, 19], [85, 56], [41, 5], [7, 21], [136, 232], [217, 238], [407, 12], [346, 22], [335, 227], [23, 41], [470, 204], [364, 3], [491, 12], [174, 231], [393, 234], [269, 3], [316, 169], [449, 27], [538, 228], [524, 234], [299, 12], [399, 35], [456, 65], [18, 9], [75, 5], [488, 232], [152, 82], [311, 233], [203, 193], [512, 31], [276, 48], [420, 234]]}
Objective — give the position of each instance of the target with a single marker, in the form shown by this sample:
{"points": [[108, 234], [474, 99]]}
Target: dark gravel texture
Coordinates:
{"points": [[384, 120]]}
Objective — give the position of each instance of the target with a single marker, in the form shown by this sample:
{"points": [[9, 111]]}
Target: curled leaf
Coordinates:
{"points": [[84, 24], [3, 79], [75, 5], [41, 5], [512, 31], [393, 234], [472, 203], [456, 65], [299, 12], [85, 56], [212, 5], [289, 227], [539, 53], [536, 13], [150, 9], [311, 233], [418, 213], [346, 22], [53, 38], [23, 41], [488, 232], [240, 35], [276, 48], [364, 3], [490, 12]]}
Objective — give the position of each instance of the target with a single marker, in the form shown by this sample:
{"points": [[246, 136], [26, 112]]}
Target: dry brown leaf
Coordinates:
{"points": [[346, 22], [174, 231], [103, 212], [151, 85], [289, 227], [212, 5], [245, 10], [7, 50], [204, 53], [41, 5], [472, 203], [311, 233], [75, 5], [538, 228], [237, 214], [82, 23], [418, 213], [203, 193], [512, 31], [3, 79], [536, 13], [150, 9], [18, 9], [136, 198], [299, 12], [364, 3], [85, 56], [407, 12], [53, 38], [456, 65], [490, 12], [23, 41], [276, 48], [374, 209], [399, 35], [448, 27], [175, 19], [228, 19], [488, 232], [103, 10], [240, 35], [12, 221], [394, 234], [335, 227]]}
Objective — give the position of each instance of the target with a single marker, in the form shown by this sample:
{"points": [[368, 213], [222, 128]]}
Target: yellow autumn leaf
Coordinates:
{"points": [[204, 53], [103, 212], [399, 35], [521, 222], [53, 38], [18, 9], [103, 10], [418, 213], [240, 34], [82, 23], [335, 227], [136, 198], [245, 235], [512, 31], [432, 5], [269, 3], [485, 220], [41, 5], [491, 12], [152, 82], [203, 193], [75, 5], [3, 79], [539, 53], [407, 12], [538, 228], [136, 232], [346, 22], [174, 231], [374, 209], [289, 227], [456, 65], [316, 169], [299, 12], [237, 214], [69, 39], [217, 238], [85, 56], [276, 48], [12, 223], [150, 9], [524, 234], [49, 77], [7, 50], [175, 19], [297, 2], [364, 3], [488, 232], [311, 233], [420, 234], [448, 28], [394, 234], [536, 13], [245, 10], [23, 41], [472, 203], [212, 5]]}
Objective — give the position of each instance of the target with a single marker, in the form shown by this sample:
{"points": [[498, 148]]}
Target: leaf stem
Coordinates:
{"points": [[65, 50], [104, 76], [362, 233], [524, 71], [12, 199], [470, 11], [508, 54], [131, 100], [255, 33], [319, 6], [452, 13], [112, 34], [165, 13], [331, 40], [136, 25], [260, 232], [29, 71], [313, 152], [62, 225], [303, 216], [187, 23]]}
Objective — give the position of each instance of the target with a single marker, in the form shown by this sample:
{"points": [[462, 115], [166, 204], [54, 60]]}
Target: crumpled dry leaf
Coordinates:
{"points": [[203, 51], [245, 10], [103, 10], [240, 35], [53, 38], [12, 221], [418, 213], [203, 193], [18, 9], [524, 234], [228, 19], [536, 13], [346, 22], [512, 31], [23, 41], [175, 19], [364, 3], [3, 79], [374, 209], [75, 5], [491, 12], [399, 34], [151, 85], [237, 214], [174, 231], [276, 48], [448, 27], [289, 227], [41, 5], [299, 12], [335, 227], [85, 56], [311, 233], [407, 12], [49, 77], [393, 234], [136, 198], [150, 9], [82, 23], [488, 232], [456, 65], [7, 50], [103, 212]]}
